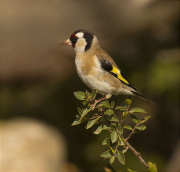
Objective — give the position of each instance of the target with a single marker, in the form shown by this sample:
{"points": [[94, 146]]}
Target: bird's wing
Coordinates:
{"points": [[112, 68]]}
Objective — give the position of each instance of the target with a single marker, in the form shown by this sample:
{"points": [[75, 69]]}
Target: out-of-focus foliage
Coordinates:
{"points": [[38, 77]]}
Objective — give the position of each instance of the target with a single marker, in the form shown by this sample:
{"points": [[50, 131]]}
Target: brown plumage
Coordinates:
{"points": [[96, 68]]}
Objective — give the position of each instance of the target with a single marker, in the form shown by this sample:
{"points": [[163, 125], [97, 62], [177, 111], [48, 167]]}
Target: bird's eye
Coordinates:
{"points": [[75, 39]]}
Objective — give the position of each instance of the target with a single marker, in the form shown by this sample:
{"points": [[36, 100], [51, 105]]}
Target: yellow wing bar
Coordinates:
{"points": [[117, 72]]}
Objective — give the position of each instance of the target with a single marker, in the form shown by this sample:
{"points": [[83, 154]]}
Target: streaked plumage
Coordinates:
{"points": [[96, 68]]}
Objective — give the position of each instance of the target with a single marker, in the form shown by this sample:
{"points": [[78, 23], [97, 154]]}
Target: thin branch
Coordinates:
{"points": [[96, 102], [120, 121], [127, 108], [136, 153], [93, 117], [110, 131], [132, 131]]}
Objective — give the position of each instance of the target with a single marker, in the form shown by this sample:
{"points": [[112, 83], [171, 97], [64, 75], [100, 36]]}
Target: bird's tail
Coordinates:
{"points": [[142, 97]]}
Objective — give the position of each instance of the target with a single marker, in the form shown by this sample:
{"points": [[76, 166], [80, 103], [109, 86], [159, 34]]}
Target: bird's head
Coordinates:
{"points": [[81, 41]]}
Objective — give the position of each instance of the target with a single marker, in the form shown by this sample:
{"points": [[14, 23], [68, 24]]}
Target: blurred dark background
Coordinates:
{"points": [[38, 78]]}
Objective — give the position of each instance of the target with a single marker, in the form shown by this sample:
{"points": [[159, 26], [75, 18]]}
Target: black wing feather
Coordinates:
{"points": [[107, 66]]}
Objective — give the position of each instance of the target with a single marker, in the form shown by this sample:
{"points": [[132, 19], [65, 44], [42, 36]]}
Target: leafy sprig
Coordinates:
{"points": [[101, 116]]}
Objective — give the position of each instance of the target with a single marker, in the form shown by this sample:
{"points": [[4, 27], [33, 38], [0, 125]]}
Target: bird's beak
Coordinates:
{"points": [[67, 42]]}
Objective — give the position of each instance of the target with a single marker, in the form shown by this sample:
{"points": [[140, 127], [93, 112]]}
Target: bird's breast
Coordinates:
{"points": [[87, 65], [88, 69]]}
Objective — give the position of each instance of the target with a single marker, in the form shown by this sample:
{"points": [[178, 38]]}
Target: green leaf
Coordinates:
{"points": [[120, 129], [112, 104], [130, 170], [141, 127], [112, 118], [85, 113], [112, 150], [80, 95], [79, 111], [114, 136], [107, 142], [121, 108], [125, 115], [78, 116], [102, 119], [121, 157], [106, 154], [97, 129], [76, 122], [85, 103], [105, 127], [145, 119], [112, 159], [112, 126], [87, 93], [152, 167], [106, 104], [109, 112], [128, 101], [88, 99], [137, 110], [134, 119], [119, 142], [122, 142], [117, 107], [91, 122], [94, 93], [128, 127]]}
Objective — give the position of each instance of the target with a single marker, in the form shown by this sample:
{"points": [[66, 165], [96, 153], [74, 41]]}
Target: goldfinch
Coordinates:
{"points": [[97, 69]]}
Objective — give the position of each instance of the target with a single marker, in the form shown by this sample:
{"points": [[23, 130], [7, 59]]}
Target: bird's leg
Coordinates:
{"points": [[97, 101]]}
